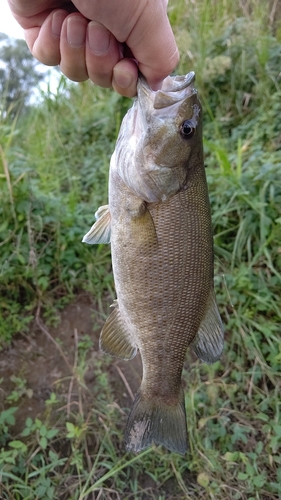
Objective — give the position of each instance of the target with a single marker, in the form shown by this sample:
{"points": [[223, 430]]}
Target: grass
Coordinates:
{"points": [[54, 176]]}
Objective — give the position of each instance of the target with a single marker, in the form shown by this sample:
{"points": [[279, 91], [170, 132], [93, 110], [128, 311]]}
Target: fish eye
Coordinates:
{"points": [[187, 129]]}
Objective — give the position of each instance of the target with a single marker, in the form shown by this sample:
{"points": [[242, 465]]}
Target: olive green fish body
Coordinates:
{"points": [[163, 278], [162, 256]]}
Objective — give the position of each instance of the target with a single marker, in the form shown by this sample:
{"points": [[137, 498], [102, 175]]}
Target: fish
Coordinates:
{"points": [[158, 222]]}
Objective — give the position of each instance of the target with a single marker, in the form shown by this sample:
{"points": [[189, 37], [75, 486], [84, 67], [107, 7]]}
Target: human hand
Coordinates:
{"points": [[101, 40]]}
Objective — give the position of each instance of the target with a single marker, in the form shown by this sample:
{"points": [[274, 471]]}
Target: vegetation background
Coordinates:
{"points": [[54, 159]]}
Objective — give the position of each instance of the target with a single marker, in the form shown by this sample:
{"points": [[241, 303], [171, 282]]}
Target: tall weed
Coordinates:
{"points": [[54, 176]]}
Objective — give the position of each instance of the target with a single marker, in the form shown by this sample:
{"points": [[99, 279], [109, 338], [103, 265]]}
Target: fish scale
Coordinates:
{"points": [[173, 284], [159, 224]]}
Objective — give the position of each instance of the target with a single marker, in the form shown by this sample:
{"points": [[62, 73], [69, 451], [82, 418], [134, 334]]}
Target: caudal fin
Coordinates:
{"points": [[156, 422]]}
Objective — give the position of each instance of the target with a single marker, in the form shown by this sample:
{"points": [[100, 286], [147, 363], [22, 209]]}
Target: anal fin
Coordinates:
{"points": [[115, 338], [208, 342], [100, 232]]}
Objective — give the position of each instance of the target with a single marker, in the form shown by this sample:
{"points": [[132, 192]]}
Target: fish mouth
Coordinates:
{"points": [[177, 83], [174, 89]]}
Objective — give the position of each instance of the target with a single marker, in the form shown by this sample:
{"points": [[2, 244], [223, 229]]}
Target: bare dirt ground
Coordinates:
{"points": [[46, 360], [46, 365]]}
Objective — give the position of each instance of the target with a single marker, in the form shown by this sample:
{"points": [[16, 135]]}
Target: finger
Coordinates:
{"points": [[25, 11], [102, 53], [72, 47], [144, 27], [44, 41], [153, 45], [125, 75]]}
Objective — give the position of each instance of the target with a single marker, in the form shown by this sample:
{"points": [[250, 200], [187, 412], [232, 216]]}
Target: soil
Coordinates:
{"points": [[43, 365], [47, 366]]}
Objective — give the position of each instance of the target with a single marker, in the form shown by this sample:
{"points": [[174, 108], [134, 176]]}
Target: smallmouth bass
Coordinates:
{"points": [[159, 224]]}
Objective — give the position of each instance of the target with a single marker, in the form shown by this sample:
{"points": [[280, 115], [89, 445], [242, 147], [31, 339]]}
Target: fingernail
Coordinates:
{"points": [[75, 31], [57, 20], [123, 79], [99, 38]]}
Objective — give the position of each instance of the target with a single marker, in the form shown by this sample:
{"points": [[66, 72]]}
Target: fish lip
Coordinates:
{"points": [[177, 83], [174, 89]]}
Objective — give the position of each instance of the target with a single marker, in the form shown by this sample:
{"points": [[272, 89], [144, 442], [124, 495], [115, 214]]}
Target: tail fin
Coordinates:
{"points": [[156, 422]]}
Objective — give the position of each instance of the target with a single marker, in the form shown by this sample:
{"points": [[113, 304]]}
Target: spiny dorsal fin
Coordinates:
{"points": [[208, 343], [100, 232], [115, 338]]}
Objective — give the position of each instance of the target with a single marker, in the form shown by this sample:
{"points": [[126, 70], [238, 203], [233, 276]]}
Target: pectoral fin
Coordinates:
{"points": [[100, 232], [208, 343], [141, 225], [101, 211], [115, 338]]}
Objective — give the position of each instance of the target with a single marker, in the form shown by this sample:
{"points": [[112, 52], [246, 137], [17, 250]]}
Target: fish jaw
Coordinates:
{"points": [[173, 89], [152, 156]]}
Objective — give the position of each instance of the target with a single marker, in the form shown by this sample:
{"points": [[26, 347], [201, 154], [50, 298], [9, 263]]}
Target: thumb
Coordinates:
{"points": [[153, 44]]}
